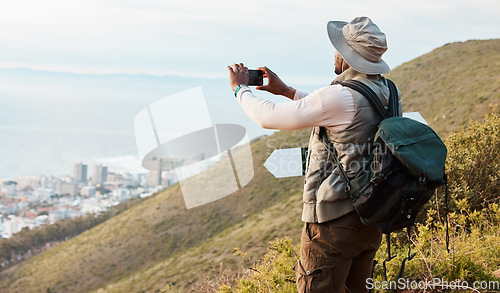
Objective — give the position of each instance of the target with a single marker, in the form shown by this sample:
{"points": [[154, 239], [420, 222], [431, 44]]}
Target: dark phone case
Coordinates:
{"points": [[256, 77]]}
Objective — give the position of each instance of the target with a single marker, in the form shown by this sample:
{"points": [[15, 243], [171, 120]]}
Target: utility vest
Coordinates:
{"points": [[325, 196]]}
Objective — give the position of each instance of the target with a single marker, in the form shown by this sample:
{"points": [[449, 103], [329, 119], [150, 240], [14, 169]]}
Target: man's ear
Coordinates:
{"points": [[345, 66]]}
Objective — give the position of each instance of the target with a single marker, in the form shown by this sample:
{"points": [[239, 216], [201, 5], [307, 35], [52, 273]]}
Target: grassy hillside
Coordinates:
{"points": [[160, 241], [452, 84], [474, 229], [159, 230]]}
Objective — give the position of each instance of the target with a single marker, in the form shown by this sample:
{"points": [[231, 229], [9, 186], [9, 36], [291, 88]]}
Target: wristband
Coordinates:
{"points": [[236, 90]]}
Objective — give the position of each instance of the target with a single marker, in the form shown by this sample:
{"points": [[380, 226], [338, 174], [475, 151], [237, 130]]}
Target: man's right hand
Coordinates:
{"points": [[275, 85]]}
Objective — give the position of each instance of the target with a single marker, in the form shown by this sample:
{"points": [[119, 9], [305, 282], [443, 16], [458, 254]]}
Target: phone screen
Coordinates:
{"points": [[256, 77]]}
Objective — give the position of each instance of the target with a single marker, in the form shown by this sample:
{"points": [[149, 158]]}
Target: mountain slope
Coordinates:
{"points": [[159, 241], [152, 231], [451, 84]]}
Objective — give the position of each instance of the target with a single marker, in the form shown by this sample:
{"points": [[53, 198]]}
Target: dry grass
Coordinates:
{"points": [[452, 84], [160, 242]]}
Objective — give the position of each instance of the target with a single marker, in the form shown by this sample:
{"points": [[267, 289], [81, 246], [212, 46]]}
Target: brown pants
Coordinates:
{"points": [[336, 256]]}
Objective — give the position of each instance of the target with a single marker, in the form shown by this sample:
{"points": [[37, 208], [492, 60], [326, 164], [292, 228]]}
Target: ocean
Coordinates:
{"points": [[50, 121]]}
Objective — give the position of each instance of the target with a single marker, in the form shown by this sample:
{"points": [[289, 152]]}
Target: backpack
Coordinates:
{"points": [[407, 165]]}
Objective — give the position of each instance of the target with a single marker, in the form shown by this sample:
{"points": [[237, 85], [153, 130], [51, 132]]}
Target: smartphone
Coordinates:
{"points": [[256, 77]]}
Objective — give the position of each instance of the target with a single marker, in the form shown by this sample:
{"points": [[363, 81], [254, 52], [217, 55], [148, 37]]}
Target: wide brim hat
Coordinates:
{"points": [[361, 43]]}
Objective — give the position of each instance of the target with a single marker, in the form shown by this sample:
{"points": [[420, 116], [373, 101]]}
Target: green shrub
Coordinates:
{"points": [[474, 249], [474, 227], [473, 256], [274, 273], [473, 170], [473, 162]]}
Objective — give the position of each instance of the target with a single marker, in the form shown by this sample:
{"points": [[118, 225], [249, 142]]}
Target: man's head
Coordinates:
{"points": [[360, 43]]}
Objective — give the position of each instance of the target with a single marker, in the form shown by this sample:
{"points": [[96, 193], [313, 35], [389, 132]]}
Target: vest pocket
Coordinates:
{"points": [[332, 188]]}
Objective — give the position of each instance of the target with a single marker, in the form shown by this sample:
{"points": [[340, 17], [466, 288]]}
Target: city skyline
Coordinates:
{"points": [[30, 201]]}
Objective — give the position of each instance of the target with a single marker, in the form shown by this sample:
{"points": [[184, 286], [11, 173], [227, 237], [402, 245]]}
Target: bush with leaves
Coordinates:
{"points": [[473, 163], [273, 273], [473, 256], [473, 169]]}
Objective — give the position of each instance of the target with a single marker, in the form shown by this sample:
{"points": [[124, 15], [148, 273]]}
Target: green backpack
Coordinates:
{"points": [[407, 165]]}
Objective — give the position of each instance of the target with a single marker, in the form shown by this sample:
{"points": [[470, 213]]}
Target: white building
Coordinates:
{"points": [[100, 174], [168, 178], [88, 191], [9, 188], [43, 193], [80, 173], [153, 178], [67, 188], [120, 194], [1, 225], [14, 224]]}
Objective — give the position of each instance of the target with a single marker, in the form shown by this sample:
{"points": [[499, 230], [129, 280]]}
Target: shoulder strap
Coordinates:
{"points": [[372, 97], [325, 139], [377, 104], [393, 99]]}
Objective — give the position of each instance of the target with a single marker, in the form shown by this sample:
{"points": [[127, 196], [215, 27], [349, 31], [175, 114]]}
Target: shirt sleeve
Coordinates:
{"points": [[299, 95], [331, 106]]}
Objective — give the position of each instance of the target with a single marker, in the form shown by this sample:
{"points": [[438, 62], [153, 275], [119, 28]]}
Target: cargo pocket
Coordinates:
{"points": [[318, 280]]}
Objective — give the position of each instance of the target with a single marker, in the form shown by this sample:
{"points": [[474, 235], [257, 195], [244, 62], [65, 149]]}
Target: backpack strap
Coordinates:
{"points": [[374, 100], [325, 139], [389, 256], [393, 99], [409, 257], [372, 97], [446, 211]]}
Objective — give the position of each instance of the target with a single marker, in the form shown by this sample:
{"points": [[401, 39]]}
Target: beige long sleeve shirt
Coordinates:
{"points": [[332, 106]]}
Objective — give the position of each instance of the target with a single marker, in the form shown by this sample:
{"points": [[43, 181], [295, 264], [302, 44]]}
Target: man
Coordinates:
{"points": [[337, 250]]}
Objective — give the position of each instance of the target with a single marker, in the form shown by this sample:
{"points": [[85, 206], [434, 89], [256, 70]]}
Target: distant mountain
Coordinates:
{"points": [[159, 241], [71, 75]]}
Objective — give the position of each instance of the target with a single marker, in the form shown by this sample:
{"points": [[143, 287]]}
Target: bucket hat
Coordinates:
{"points": [[361, 43]]}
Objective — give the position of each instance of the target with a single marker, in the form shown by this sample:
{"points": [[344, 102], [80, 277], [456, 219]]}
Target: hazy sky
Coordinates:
{"points": [[199, 38], [81, 118]]}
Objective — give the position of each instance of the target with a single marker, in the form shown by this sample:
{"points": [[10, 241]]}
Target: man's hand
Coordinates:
{"points": [[275, 85], [238, 74]]}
